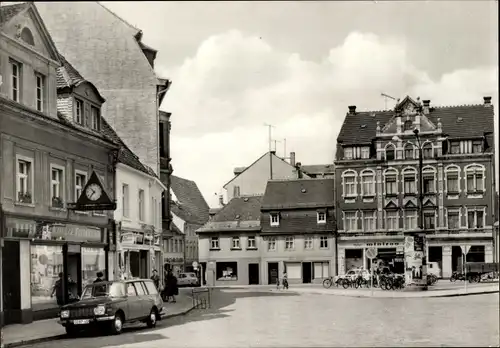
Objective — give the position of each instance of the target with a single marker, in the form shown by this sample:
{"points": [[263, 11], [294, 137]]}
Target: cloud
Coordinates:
{"points": [[222, 96]]}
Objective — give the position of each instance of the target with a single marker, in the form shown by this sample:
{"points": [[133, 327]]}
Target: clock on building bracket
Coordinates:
{"points": [[93, 197]]}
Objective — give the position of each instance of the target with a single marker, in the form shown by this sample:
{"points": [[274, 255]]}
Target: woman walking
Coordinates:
{"points": [[171, 288]]}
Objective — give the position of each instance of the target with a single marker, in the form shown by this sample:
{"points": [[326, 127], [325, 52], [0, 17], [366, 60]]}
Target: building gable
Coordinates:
{"points": [[28, 28]]}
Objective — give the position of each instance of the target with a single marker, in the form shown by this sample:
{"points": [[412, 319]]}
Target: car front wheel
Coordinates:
{"points": [[117, 324], [153, 316]]}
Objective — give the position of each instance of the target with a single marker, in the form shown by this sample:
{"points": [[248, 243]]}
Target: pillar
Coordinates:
{"points": [[488, 253], [364, 258], [446, 271], [25, 280], [341, 261]]}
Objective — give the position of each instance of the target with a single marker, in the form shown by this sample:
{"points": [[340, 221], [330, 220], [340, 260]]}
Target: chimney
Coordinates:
{"points": [[299, 170], [221, 201], [426, 107], [352, 109], [487, 101], [292, 159]]}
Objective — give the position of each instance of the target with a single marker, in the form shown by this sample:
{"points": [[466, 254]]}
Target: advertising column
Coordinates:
{"points": [[414, 262]]}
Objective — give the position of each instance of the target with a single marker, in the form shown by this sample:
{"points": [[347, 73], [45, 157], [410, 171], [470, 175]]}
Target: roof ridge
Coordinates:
{"points": [[120, 18]]}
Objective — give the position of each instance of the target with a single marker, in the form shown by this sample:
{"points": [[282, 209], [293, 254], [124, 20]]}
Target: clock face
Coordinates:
{"points": [[93, 192]]}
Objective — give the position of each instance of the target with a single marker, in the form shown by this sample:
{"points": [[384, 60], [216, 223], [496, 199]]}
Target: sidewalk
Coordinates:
{"points": [[46, 330], [459, 291]]}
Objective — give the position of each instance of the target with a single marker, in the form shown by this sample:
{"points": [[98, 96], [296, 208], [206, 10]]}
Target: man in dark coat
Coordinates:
{"points": [[171, 288], [99, 278]]}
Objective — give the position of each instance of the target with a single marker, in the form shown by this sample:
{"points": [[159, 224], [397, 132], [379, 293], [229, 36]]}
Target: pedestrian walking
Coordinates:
{"points": [[156, 279], [58, 290], [171, 288], [285, 281]]}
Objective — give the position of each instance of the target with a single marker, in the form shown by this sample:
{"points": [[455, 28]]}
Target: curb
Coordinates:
{"points": [[58, 337], [398, 297]]}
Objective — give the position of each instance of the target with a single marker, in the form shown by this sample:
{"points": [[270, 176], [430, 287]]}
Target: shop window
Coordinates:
{"points": [[46, 264], [226, 270], [321, 270], [93, 261], [476, 253]]}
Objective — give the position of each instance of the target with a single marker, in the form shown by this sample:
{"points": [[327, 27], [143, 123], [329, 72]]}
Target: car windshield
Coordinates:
{"points": [[103, 290]]}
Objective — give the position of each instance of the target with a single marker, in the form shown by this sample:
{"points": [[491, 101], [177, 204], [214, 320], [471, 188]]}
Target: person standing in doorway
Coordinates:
{"points": [[58, 291]]}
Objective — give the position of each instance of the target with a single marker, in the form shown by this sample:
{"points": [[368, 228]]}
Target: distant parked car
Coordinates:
{"points": [[354, 273], [111, 304], [187, 279]]}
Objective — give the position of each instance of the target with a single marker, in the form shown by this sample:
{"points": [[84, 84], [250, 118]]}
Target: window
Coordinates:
{"points": [[365, 152], [214, 243], [427, 151], [475, 179], [453, 220], [429, 220], [321, 270], [477, 146], [429, 183], [251, 244], [271, 244], [392, 220], [369, 221], [349, 183], [150, 286], [141, 205], [475, 218], [391, 185], [275, 219], [24, 181], [79, 111], [16, 80], [411, 219], [410, 182], [226, 270], [80, 180], [235, 244], [454, 147], [452, 182], [308, 243], [57, 187], [409, 151], [289, 243], [162, 139], [131, 290], [350, 221], [408, 125], [368, 184], [321, 217], [40, 91], [125, 201], [140, 290], [95, 119], [323, 242], [348, 153], [46, 264], [27, 36], [390, 152]]}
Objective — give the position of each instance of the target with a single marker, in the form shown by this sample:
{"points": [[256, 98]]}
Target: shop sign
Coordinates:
{"points": [[419, 241], [75, 233], [20, 228], [377, 244], [173, 259], [128, 238]]}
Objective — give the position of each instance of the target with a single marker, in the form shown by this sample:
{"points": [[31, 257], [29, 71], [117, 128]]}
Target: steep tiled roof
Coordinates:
{"points": [[191, 206], [125, 156], [300, 193], [463, 121], [241, 213], [67, 75], [7, 12]]}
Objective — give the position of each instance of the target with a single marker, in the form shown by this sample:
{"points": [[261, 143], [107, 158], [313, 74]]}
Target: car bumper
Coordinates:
{"points": [[88, 321]]}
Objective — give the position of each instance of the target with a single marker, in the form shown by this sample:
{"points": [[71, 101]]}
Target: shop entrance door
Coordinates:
{"points": [[72, 272], [11, 283], [253, 274], [306, 272], [272, 270]]}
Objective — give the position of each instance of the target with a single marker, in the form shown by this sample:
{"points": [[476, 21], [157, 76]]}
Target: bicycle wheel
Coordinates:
{"points": [[388, 285], [327, 283], [346, 283]]}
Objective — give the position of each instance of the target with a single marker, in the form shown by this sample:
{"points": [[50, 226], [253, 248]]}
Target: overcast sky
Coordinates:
{"points": [[298, 65]]}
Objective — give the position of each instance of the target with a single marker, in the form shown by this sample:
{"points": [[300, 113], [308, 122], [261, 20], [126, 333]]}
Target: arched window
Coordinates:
{"points": [[391, 182], [427, 151], [409, 151], [368, 183], [27, 36], [452, 174], [410, 181], [475, 178], [408, 126], [390, 152], [429, 180], [349, 184]]}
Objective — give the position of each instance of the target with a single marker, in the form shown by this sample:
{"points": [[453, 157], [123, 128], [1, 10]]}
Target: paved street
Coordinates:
{"points": [[246, 318]]}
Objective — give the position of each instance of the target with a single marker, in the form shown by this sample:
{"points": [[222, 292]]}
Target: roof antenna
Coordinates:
{"points": [[386, 96]]}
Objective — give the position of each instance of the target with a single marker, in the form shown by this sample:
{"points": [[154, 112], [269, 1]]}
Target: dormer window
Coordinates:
{"points": [[275, 219], [79, 111], [95, 118], [477, 146], [348, 153], [408, 126], [321, 217], [40, 91], [390, 152]]}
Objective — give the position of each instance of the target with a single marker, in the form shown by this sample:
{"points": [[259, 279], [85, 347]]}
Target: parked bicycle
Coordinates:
{"points": [[431, 279]]}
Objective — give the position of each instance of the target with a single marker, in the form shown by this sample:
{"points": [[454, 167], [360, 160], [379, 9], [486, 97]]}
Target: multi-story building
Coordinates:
{"points": [[377, 171], [229, 251], [297, 230], [51, 142], [138, 214]]}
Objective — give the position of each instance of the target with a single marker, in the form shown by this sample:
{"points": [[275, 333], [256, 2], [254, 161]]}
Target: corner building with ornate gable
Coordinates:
{"points": [[377, 171]]}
